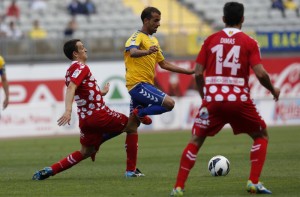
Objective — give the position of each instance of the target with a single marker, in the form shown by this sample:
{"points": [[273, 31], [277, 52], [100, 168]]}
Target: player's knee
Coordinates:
{"points": [[130, 130], [87, 151], [169, 104]]}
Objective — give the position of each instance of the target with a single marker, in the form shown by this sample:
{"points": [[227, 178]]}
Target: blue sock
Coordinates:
{"points": [[152, 110]]}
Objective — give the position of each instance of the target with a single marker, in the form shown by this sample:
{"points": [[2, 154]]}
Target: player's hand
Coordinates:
{"points": [[276, 94], [152, 49], [105, 89], [190, 71], [65, 119]]}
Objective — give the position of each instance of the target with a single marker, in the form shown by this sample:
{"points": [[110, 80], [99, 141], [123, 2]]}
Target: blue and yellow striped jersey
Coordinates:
{"points": [[2, 65], [141, 69]]}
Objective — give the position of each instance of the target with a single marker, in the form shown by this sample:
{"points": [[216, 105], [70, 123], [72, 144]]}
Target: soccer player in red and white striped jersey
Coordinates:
{"points": [[222, 74]]}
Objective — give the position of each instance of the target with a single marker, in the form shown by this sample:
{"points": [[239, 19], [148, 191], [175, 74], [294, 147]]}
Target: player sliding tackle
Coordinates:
{"points": [[97, 122]]}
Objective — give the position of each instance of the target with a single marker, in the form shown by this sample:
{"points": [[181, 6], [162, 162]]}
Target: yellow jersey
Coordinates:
{"points": [[2, 65], [141, 69], [37, 33]]}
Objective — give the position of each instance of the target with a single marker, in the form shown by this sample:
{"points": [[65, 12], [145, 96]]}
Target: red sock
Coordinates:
{"points": [[67, 162], [131, 146], [187, 162], [257, 158]]}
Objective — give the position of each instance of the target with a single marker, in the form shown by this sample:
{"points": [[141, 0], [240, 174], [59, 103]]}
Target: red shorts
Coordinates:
{"points": [[100, 122], [243, 117]]}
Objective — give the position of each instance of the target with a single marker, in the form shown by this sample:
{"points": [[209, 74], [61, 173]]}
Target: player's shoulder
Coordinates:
{"points": [[78, 65], [135, 35], [214, 35], [2, 62]]}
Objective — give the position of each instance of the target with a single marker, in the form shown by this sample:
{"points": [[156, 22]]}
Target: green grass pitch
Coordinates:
{"points": [[159, 155]]}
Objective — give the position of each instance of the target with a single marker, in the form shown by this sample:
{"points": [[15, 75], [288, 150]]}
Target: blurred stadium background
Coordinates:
{"points": [[36, 67]]}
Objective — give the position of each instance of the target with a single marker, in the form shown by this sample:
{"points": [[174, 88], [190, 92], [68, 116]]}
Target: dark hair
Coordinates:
{"points": [[233, 13], [147, 13], [69, 47]]}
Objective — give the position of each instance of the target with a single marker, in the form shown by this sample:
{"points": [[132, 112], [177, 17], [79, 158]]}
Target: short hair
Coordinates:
{"points": [[69, 47], [233, 13], [147, 13]]}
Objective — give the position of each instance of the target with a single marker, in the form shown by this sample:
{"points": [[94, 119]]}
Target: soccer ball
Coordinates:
{"points": [[219, 166]]}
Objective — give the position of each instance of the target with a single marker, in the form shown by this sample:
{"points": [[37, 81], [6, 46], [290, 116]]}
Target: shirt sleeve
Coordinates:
{"points": [[201, 58], [79, 74], [133, 42], [254, 53], [2, 66]]}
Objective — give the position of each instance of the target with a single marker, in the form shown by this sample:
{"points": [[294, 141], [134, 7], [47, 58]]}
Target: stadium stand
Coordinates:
{"points": [[175, 17], [258, 14], [184, 22]]}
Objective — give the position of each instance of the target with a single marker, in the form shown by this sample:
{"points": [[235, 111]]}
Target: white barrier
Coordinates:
{"points": [[41, 119], [37, 99]]}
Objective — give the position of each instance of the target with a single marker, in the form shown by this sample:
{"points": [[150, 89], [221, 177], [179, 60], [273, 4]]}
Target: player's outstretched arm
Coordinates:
{"points": [[66, 117], [265, 81], [171, 67]]}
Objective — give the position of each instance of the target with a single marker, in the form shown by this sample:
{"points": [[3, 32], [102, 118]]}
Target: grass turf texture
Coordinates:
{"points": [[159, 155]]}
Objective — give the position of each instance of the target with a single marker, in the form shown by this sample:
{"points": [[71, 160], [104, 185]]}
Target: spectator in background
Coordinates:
{"points": [[76, 7], [3, 27], [4, 82], [13, 11], [38, 6], [37, 32], [278, 4], [90, 7], [13, 31], [71, 28], [292, 5]]}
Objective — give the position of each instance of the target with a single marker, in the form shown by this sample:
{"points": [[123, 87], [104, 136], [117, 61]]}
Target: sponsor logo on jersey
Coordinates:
{"points": [[76, 73], [203, 118], [202, 122], [203, 113]]}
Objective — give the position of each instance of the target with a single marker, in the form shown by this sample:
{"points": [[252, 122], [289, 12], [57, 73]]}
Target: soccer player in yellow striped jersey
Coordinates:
{"points": [[142, 53], [4, 82]]}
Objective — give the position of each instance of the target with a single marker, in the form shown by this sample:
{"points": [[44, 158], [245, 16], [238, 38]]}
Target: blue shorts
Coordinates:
{"points": [[145, 94]]}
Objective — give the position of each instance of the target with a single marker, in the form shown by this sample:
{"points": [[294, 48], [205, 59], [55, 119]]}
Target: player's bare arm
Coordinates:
{"points": [[199, 78], [5, 88], [105, 89], [171, 67], [134, 52], [265, 81], [66, 117]]}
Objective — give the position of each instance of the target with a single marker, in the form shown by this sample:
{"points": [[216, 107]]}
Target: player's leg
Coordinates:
{"points": [[187, 162], [202, 127], [257, 157], [65, 163], [258, 154], [152, 99], [131, 143], [245, 118], [73, 159]]}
